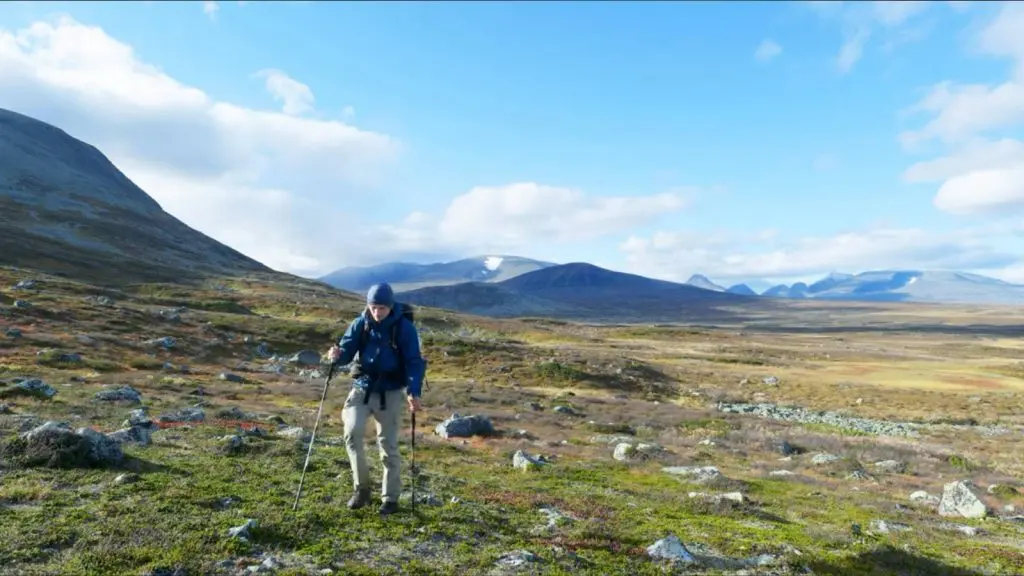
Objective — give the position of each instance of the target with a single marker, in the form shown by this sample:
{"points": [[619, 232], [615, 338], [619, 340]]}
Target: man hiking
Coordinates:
{"points": [[389, 373]]}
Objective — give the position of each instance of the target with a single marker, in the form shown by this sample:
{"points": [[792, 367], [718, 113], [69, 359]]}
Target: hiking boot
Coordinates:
{"points": [[359, 499], [388, 507]]}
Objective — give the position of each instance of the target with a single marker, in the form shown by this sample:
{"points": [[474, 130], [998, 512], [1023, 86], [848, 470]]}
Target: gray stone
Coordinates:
{"points": [[456, 426], [959, 499], [123, 393]]}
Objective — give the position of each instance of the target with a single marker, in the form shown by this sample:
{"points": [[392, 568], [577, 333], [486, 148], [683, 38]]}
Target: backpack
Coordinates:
{"points": [[408, 312]]}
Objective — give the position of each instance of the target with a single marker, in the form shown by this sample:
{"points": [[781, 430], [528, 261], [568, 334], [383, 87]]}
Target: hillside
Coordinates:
{"points": [[582, 291], [65, 208], [409, 276], [185, 422]]}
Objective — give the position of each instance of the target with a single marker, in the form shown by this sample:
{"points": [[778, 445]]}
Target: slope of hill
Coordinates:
{"points": [[409, 276], [65, 208], [582, 291]]}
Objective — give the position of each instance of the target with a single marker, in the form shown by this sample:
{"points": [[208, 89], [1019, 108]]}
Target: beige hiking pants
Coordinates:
{"points": [[354, 415]]}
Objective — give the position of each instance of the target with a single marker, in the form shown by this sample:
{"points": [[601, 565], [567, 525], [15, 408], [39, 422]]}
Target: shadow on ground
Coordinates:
{"points": [[889, 561]]}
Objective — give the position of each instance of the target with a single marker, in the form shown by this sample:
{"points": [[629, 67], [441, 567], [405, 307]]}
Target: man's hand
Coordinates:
{"points": [[414, 403], [333, 354]]}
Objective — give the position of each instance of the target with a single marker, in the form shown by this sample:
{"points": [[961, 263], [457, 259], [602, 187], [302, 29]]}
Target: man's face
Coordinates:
{"points": [[379, 312]]}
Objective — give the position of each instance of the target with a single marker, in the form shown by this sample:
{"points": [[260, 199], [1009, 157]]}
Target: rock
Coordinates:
{"points": [[625, 451], [866, 425], [296, 432], [22, 304], [569, 410], [24, 285], [184, 415], [126, 478], [780, 473], [787, 449], [885, 527], [13, 333], [165, 342], [894, 466], [524, 461], [305, 358], [227, 376], [5, 408], [243, 532], [133, 434], [670, 548], [770, 380], [233, 413], [55, 444], [120, 394], [518, 559], [958, 498], [31, 387], [138, 418], [456, 426], [699, 474], [824, 458], [736, 497], [922, 497]]}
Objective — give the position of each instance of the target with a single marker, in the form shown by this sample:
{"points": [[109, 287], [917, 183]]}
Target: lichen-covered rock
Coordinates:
{"points": [[959, 499], [120, 394], [464, 426]]}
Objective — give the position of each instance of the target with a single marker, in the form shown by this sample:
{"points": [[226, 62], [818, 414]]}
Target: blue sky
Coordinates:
{"points": [[777, 167]]}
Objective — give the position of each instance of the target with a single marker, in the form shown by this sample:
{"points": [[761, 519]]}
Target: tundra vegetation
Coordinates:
{"points": [[162, 428]]}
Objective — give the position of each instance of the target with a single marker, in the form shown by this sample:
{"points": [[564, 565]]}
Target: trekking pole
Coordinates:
{"points": [[312, 439], [415, 472]]}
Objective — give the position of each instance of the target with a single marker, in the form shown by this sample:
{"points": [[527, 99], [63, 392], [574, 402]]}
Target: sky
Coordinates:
{"points": [[762, 142]]}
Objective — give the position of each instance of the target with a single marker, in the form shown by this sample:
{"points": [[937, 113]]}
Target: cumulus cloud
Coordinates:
{"points": [[674, 256], [767, 50], [522, 214], [284, 187], [983, 169]]}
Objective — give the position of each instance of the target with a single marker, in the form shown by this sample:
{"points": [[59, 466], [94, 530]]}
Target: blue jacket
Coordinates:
{"points": [[378, 357]]}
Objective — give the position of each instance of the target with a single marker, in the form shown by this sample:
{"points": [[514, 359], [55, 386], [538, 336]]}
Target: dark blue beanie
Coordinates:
{"points": [[381, 295]]}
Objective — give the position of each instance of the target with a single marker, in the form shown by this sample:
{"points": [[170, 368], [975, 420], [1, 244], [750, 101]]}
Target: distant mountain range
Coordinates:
{"points": [[514, 285], [897, 286], [580, 291], [409, 276]]}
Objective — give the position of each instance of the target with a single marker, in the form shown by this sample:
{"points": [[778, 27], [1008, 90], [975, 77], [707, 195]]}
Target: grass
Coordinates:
{"points": [[655, 384]]}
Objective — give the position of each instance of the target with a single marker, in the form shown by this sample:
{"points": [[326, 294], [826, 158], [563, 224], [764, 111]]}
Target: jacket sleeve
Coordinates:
{"points": [[349, 342], [415, 365]]}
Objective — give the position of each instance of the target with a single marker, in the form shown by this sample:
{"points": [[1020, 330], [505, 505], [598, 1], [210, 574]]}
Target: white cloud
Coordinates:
{"points": [[983, 170], [516, 215], [767, 50], [277, 186], [268, 184], [296, 96], [674, 256], [852, 49], [862, 21], [210, 9]]}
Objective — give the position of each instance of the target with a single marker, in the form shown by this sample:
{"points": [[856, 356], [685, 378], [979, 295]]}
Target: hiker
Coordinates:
{"points": [[388, 374]]}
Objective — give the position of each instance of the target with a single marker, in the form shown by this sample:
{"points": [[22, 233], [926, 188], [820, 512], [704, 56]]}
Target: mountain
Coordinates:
{"points": [[66, 209], [701, 281], [741, 289], [924, 286], [409, 276], [580, 291]]}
